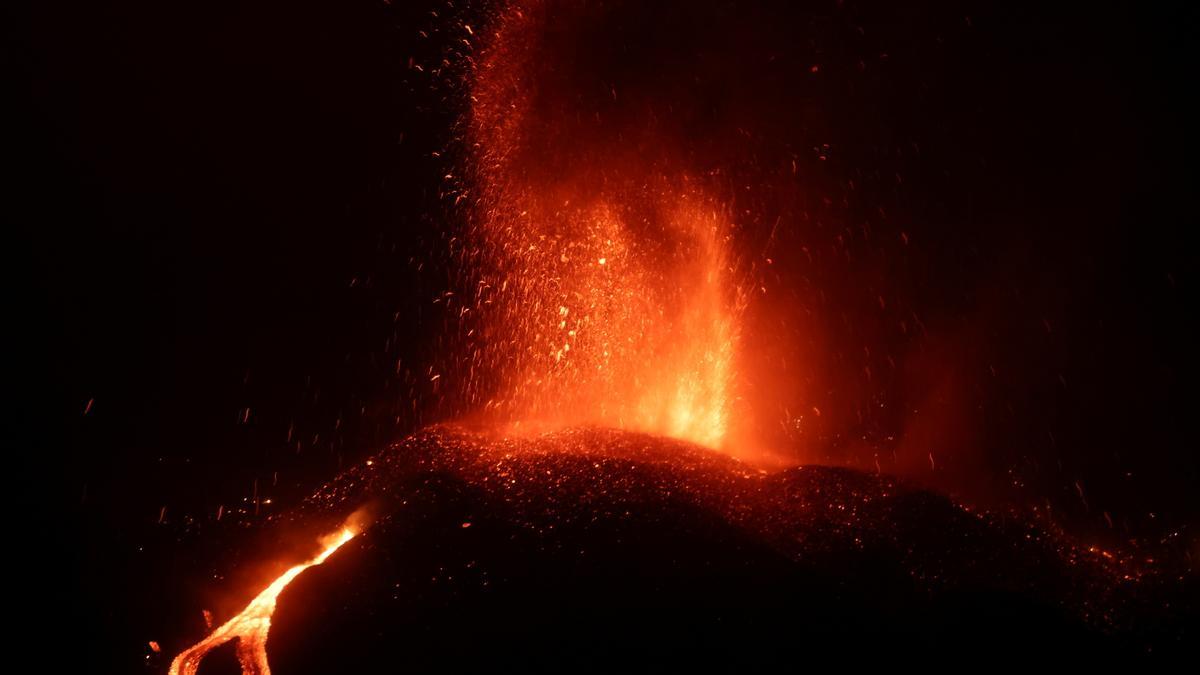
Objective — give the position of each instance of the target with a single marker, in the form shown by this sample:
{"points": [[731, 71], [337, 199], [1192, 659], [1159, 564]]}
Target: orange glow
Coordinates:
{"points": [[251, 625], [607, 290]]}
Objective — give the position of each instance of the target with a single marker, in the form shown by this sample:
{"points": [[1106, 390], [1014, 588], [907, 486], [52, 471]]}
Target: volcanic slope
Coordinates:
{"points": [[603, 550]]}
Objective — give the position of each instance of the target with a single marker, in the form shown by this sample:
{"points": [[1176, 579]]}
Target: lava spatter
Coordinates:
{"points": [[608, 292]]}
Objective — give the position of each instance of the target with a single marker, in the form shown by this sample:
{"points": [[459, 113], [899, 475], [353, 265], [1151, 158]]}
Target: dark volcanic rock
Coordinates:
{"points": [[599, 550]]}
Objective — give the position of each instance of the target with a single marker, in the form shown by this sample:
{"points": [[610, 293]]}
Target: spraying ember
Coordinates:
{"points": [[608, 290], [251, 626]]}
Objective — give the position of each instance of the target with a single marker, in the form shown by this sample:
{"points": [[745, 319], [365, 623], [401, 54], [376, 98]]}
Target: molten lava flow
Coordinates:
{"points": [[606, 281], [251, 625]]}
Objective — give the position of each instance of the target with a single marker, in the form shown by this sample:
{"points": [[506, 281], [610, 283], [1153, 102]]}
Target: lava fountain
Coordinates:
{"points": [[606, 287], [251, 626]]}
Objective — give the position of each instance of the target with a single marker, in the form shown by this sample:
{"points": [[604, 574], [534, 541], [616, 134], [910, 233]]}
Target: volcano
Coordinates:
{"points": [[602, 550]]}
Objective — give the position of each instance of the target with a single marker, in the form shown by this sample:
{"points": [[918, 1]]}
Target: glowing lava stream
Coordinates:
{"points": [[252, 624]]}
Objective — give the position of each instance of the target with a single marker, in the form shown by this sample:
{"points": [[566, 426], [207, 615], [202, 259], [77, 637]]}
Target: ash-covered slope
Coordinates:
{"points": [[613, 551]]}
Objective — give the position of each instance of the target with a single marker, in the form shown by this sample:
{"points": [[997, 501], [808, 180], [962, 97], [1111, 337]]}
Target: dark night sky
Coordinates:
{"points": [[234, 205]]}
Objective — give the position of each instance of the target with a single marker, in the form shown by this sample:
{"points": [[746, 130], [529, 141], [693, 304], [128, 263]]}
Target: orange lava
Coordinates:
{"points": [[606, 287], [251, 626]]}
